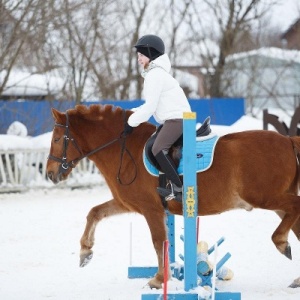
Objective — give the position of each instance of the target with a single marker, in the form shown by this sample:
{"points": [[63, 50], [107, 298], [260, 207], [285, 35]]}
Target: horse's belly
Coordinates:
{"points": [[243, 204]]}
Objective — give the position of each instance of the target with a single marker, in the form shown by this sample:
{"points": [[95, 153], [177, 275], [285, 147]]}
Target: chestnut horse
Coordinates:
{"points": [[251, 169]]}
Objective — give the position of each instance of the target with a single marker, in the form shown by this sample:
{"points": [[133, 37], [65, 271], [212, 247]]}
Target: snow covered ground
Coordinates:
{"points": [[39, 246]]}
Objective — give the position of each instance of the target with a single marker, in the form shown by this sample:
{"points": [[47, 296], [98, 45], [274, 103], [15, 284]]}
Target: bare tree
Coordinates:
{"points": [[90, 43], [19, 22], [240, 15], [230, 24], [72, 42]]}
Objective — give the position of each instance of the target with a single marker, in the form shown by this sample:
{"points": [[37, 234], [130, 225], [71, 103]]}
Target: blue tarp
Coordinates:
{"points": [[36, 115]]}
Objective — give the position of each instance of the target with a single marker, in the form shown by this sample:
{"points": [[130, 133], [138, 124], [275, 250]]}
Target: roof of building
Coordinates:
{"points": [[291, 29], [272, 52], [24, 83]]}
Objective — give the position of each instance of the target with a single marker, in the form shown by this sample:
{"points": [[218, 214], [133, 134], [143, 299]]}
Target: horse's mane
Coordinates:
{"points": [[109, 114], [94, 111]]}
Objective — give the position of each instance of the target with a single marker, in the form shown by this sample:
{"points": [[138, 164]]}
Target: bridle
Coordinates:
{"points": [[65, 164]]}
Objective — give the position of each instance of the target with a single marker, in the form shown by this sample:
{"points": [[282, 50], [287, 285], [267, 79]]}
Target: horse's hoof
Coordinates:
{"points": [[155, 284], [85, 259], [288, 251], [295, 284]]}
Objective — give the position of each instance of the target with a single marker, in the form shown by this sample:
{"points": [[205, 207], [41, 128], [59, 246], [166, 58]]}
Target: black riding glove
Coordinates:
{"points": [[127, 130]]}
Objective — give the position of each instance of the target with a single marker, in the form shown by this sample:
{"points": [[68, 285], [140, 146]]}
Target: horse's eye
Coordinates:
{"points": [[56, 140]]}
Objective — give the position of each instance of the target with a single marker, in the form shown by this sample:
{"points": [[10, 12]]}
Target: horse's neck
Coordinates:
{"points": [[122, 155]]}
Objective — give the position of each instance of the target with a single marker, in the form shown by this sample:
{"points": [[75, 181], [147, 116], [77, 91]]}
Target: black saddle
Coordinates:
{"points": [[175, 151]]}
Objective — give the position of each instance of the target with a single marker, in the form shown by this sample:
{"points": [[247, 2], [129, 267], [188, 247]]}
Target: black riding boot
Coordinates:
{"points": [[168, 167]]}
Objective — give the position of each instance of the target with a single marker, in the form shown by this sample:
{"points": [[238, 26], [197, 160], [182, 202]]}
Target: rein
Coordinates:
{"points": [[65, 165]]}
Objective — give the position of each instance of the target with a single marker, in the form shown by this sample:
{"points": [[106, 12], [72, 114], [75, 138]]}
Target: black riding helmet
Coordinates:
{"points": [[151, 46]]}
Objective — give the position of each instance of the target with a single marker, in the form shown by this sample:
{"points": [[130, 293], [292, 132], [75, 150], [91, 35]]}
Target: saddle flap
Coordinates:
{"points": [[204, 150], [148, 151], [175, 151]]}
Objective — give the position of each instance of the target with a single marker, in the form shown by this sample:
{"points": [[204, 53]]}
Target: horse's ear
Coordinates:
{"points": [[56, 114]]}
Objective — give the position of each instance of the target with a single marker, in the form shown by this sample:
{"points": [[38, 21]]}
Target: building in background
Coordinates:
{"points": [[267, 77], [291, 37], [30, 86]]}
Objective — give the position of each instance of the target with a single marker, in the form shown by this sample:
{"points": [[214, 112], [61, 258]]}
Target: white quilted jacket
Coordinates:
{"points": [[164, 98]]}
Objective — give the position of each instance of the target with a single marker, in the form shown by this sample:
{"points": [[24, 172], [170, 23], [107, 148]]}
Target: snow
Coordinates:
{"points": [[284, 13], [272, 52], [26, 83], [14, 142], [40, 232], [17, 128]]}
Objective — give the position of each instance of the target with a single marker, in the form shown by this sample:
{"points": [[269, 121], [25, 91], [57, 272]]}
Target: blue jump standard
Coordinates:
{"points": [[188, 273], [191, 296], [149, 272], [170, 297]]}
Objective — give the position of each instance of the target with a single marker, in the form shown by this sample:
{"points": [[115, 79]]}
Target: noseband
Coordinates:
{"points": [[65, 164]]}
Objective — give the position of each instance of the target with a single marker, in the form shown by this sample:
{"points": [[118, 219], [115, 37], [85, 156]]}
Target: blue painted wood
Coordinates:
{"points": [[218, 296], [212, 248], [171, 297], [190, 203], [207, 277], [227, 296], [190, 209], [148, 272], [171, 236], [223, 260], [141, 272]]}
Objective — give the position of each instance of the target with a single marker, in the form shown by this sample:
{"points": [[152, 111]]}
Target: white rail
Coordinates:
{"points": [[23, 169]]}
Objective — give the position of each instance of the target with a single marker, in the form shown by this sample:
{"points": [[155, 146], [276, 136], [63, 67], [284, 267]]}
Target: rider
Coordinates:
{"points": [[166, 102]]}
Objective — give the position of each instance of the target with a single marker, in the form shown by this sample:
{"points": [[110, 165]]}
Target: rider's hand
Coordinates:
{"points": [[127, 130]]}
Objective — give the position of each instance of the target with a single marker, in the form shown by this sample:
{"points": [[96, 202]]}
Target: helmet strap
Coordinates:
{"points": [[149, 52]]}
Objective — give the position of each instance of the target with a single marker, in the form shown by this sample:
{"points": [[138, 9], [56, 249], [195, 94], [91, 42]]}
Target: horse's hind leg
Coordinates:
{"points": [[280, 235], [157, 226], [296, 226], [95, 215]]}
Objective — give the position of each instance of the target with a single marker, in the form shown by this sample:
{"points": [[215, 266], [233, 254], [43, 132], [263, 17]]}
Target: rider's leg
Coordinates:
{"points": [[168, 135], [168, 167]]}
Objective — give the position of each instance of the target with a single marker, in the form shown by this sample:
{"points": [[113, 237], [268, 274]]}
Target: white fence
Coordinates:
{"points": [[24, 169]]}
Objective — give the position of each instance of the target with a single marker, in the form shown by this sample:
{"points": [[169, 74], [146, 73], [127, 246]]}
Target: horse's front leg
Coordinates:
{"points": [[95, 215], [157, 225]]}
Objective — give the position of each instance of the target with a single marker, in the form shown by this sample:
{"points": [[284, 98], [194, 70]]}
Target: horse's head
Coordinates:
{"points": [[98, 133], [64, 152]]}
